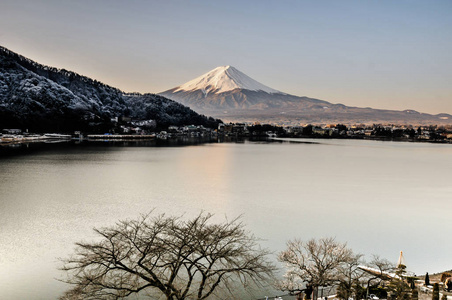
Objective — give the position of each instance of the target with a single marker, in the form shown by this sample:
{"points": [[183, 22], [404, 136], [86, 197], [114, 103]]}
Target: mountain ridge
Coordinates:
{"points": [[245, 104], [43, 98]]}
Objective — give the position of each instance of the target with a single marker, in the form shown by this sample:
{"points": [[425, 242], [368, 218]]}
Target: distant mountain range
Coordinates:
{"points": [[42, 98], [227, 93]]}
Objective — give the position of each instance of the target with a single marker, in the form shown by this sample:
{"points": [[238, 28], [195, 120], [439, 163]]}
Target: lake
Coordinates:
{"points": [[379, 197]]}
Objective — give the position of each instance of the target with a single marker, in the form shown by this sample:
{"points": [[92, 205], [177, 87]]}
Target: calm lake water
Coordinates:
{"points": [[380, 197]]}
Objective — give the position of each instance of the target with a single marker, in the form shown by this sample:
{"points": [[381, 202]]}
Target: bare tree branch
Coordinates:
{"points": [[315, 263], [175, 258]]}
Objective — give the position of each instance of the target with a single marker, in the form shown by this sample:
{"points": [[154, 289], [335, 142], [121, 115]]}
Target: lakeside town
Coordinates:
{"points": [[142, 130]]}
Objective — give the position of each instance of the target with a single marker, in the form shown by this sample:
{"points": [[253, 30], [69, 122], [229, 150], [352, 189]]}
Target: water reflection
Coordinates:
{"points": [[381, 197]]}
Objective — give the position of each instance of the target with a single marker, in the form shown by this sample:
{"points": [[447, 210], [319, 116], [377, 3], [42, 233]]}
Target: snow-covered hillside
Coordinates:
{"points": [[224, 79], [42, 98]]}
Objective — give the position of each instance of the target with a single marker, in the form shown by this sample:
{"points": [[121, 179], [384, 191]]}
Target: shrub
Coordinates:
{"points": [[435, 295]]}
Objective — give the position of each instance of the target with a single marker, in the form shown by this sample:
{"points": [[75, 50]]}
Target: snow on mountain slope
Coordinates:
{"points": [[42, 98], [227, 93], [224, 79]]}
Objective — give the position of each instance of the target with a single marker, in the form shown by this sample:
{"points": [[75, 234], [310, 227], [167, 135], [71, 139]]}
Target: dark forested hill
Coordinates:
{"points": [[41, 98]]}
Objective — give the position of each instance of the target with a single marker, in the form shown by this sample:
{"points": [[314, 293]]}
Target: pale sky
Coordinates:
{"points": [[382, 54]]}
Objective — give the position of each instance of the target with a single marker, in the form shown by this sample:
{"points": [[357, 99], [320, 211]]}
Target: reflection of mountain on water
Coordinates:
{"points": [[75, 145], [65, 145]]}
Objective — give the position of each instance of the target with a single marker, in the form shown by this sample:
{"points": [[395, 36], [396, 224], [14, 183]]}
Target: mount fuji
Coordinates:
{"points": [[224, 79], [227, 93]]}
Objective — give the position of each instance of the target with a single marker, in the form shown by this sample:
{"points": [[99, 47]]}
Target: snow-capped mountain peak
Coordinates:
{"points": [[223, 79], [227, 93]]}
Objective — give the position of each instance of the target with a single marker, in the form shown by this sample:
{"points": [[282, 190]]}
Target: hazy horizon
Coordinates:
{"points": [[390, 55]]}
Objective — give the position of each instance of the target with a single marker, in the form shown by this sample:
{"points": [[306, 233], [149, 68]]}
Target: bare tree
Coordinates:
{"points": [[350, 276], [166, 257], [314, 263], [382, 269]]}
